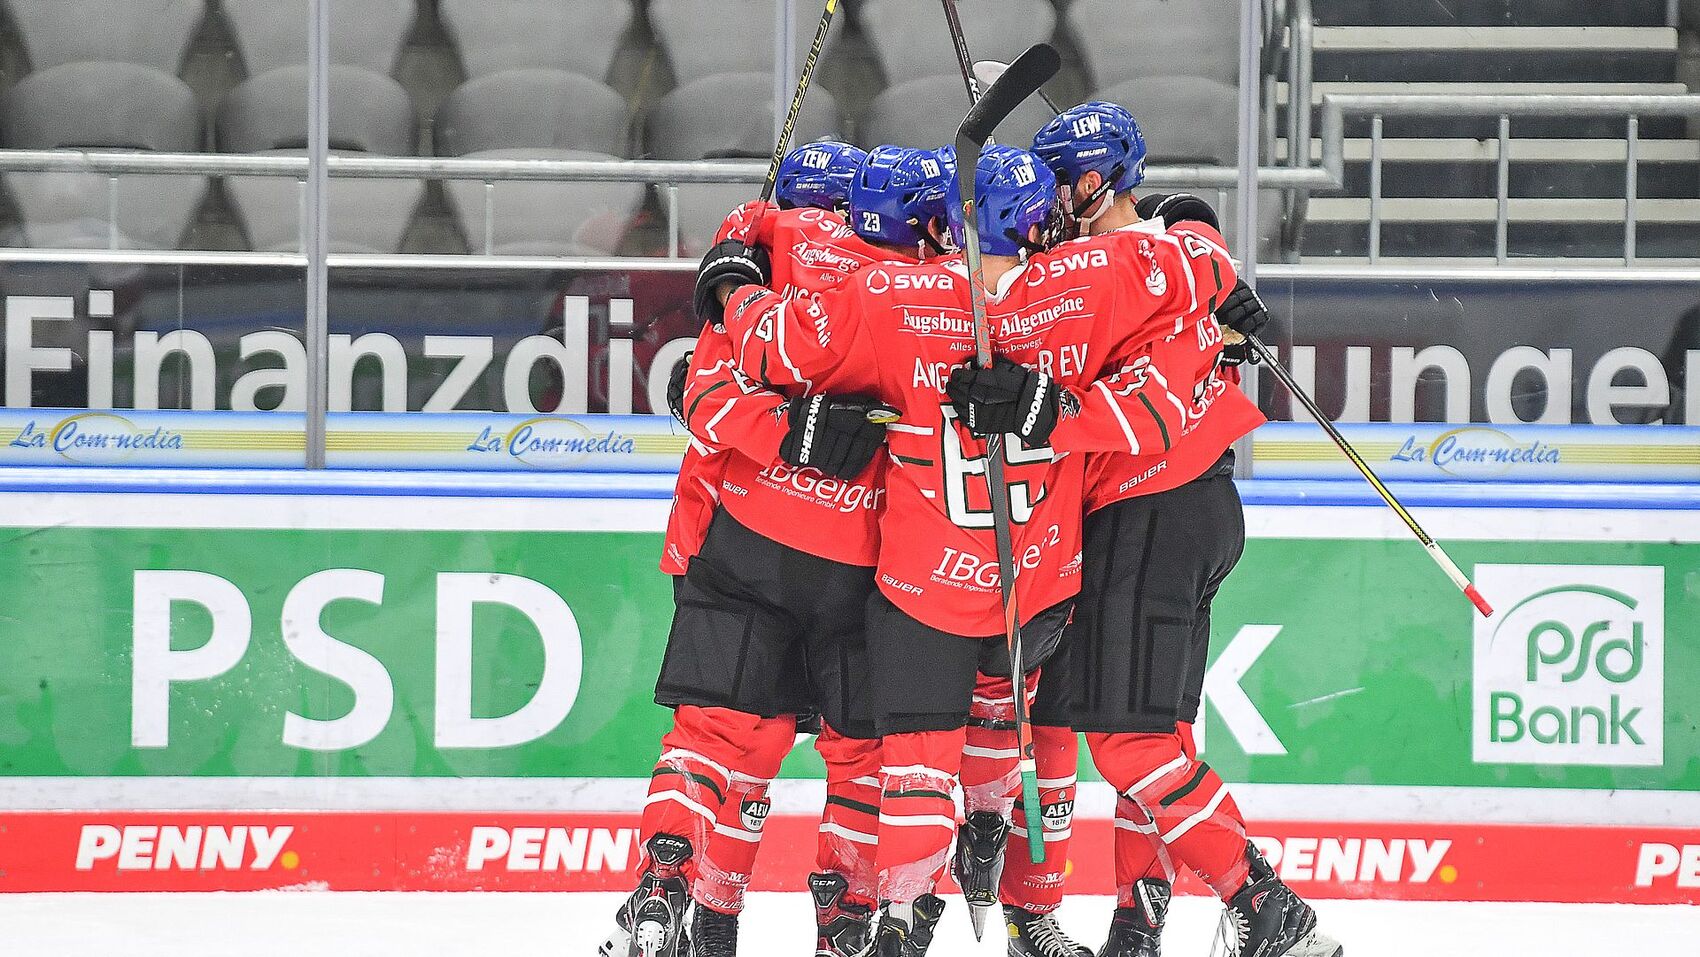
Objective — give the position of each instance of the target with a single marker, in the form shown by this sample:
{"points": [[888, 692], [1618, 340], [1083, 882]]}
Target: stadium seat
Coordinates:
{"points": [[153, 33], [517, 114], [924, 112], [109, 88], [725, 116], [532, 108], [103, 105], [369, 113], [1127, 39], [705, 37], [911, 40], [540, 218], [1186, 119], [496, 35], [364, 33]]}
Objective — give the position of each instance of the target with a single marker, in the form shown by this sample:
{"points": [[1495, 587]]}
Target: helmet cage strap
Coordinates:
{"points": [[1105, 189]]}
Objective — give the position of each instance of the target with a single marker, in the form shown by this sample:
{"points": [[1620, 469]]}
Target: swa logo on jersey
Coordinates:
{"points": [[1573, 671]]}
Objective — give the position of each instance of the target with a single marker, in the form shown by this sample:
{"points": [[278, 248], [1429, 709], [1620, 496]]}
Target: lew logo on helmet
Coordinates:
{"points": [[817, 159], [1024, 174], [1087, 125]]}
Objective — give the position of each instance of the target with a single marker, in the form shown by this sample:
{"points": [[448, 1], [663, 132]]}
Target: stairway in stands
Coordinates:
{"points": [[1567, 176]]}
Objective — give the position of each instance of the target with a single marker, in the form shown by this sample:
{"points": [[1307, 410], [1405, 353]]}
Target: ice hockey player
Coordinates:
{"points": [[1163, 530], [896, 333], [818, 175], [769, 616]]}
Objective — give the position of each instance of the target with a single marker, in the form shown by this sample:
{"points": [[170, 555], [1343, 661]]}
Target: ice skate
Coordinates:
{"points": [[1137, 931], [1266, 919], [978, 863], [651, 923], [906, 930], [713, 934], [1039, 935], [842, 929]]}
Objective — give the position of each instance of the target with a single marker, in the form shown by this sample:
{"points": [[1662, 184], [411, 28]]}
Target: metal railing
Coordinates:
{"points": [[1301, 178], [1335, 109]]}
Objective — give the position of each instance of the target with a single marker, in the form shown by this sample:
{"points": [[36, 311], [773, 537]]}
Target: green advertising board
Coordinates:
{"points": [[354, 636]]}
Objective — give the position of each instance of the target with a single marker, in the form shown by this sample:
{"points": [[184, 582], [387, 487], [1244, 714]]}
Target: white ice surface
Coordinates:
{"points": [[276, 924]]}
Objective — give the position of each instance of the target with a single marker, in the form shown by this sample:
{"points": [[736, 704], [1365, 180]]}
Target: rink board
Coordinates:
{"points": [[1510, 760]]}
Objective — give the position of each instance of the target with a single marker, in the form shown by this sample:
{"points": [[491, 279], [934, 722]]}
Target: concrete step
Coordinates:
{"points": [[1492, 12], [1667, 169], [1635, 54], [1525, 209], [1543, 240], [1480, 127]]}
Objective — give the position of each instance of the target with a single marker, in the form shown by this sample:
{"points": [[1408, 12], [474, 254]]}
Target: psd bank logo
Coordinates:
{"points": [[1572, 672]]}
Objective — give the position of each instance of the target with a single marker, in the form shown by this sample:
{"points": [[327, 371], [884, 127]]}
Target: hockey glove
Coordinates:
{"points": [[1177, 208], [727, 262], [1244, 313], [1008, 398], [676, 388], [832, 434]]}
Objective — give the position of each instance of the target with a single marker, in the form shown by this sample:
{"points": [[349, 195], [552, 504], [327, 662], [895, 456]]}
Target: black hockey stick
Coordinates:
{"points": [[803, 80], [1023, 77], [1434, 550], [992, 69], [986, 72]]}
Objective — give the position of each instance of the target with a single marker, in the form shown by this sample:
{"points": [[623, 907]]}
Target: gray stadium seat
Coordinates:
{"points": [[152, 33], [725, 116], [544, 219], [495, 35], [532, 109], [705, 37], [926, 112], [911, 40], [369, 113], [1186, 119], [93, 106], [1124, 39], [364, 33]]}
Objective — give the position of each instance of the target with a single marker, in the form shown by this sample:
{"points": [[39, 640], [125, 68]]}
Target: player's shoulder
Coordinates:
{"points": [[812, 221]]}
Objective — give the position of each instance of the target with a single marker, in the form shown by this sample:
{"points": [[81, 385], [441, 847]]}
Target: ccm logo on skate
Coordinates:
{"points": [[1667, 860], [149, 847], [1397, 860], [572, 849]]}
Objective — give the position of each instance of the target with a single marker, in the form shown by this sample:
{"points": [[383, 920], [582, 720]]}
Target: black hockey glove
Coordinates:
{"points": [[728, 261], [832, 434], [676, 388], [1177, 208], [1244, 313], [1008, 398]]}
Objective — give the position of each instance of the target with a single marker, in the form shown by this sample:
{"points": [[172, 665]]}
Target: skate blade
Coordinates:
{"points": [[977, 916], [618, 944]]}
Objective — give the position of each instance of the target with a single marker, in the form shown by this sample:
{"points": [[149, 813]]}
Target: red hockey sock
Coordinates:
{"points": [[701, 756], [849, 824], [917, 816], [1196, 819], [1039, 887], [990, 774], [1139, 852]]}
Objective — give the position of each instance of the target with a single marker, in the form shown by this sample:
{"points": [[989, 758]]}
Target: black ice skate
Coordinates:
{"points": [[1266, 919], [713, 934], [651, 923], [906, 930], [978, 863], [1039, 935], [1137, 931], [842, 929]]}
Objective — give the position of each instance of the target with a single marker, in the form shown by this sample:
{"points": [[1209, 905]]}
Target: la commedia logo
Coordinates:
{"points": [[1572, 672]]}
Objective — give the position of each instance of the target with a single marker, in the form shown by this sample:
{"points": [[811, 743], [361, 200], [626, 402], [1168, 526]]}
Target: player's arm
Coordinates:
{"points": [[820, 341], [723, 409]]}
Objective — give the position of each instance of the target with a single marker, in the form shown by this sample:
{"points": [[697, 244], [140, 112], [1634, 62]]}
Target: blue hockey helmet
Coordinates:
{"points": [[1093, 137], [818, 175], [1014, 191], [897, 193]]}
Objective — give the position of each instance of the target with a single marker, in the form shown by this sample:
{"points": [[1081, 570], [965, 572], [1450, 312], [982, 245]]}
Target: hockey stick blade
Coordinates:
{"points": [[986, 72], [1031, 70]]}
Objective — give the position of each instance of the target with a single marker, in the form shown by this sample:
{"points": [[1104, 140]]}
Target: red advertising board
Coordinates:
{"points": [[364, 851]]}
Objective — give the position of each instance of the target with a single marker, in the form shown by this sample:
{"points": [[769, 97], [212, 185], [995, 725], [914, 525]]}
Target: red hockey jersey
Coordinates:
{"points": [[1087, 313], [1211, 413], [737, 423]]}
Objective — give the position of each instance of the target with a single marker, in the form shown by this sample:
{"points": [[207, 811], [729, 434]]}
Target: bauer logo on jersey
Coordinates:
{"points": [[1572, 672]]}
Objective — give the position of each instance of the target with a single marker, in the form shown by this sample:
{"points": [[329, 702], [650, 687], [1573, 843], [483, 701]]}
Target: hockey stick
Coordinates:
{"points": [[986, 72], [1024, 76], [993, 69], [1435, 552], [796, 109]]}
